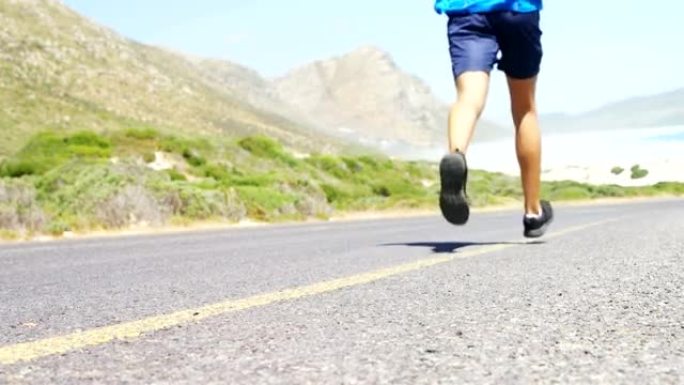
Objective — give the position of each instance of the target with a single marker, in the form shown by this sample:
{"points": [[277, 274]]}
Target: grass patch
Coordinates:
{"points": [[48, 150]]}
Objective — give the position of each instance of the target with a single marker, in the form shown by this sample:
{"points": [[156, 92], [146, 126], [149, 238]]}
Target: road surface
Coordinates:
{"points": [[394, 301]]}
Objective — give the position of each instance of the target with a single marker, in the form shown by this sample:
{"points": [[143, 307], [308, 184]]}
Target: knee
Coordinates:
{"points": [[527, 113], [471, 103], [524, 108]]}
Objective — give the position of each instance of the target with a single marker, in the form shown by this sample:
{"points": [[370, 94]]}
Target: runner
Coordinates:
{"points": [[478, 30]]}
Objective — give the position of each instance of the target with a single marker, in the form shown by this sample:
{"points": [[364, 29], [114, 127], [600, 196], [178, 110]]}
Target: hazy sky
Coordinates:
{"points": [[596, 51]]}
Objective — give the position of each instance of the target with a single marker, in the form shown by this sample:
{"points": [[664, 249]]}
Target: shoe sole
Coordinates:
{"points": [[452, 199], [538, 233]]}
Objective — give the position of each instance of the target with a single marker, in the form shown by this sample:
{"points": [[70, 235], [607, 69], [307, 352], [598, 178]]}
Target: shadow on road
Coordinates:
{"points": [[451, 247]]}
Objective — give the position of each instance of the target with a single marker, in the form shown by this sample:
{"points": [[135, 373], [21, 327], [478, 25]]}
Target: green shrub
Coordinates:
{"points": [[49, 150], [370, 161], [198, 204], [670, 188], [617, 170], [217, 172], [570, 193], [382, 190], [142, 133], [352, 164], [19, 168], [180, 146], [87, 139], [261, 146], [256, 180], [193, 157], [420, 170], [264, 203], [265, 147], [492, 184], [20, 209], [173, 145], [608, 191], [149, 157], [176, 175], [330, 165], [638, 172], [56, 228], [334, 194]]}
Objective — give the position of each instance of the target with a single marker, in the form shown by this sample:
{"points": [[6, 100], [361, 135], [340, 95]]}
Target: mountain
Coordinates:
{"points": [[365, 96], [364, 93], [665, 109], [60, 71], [247, 85]]}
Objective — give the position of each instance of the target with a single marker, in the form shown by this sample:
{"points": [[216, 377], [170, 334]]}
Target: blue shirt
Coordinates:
{"points": [[483, 6]]}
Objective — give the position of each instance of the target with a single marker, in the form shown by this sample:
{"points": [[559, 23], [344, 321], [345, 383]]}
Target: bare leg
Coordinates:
{"points": [[527, 139], [472, 88]]}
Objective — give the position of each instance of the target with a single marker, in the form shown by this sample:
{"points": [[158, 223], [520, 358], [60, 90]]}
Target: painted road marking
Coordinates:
{"points": [[28, 351]]}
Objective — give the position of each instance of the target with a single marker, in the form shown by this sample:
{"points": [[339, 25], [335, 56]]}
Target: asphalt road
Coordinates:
{"points": [[401, 301]]}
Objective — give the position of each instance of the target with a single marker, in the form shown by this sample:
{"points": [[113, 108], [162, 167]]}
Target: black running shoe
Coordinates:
{"points": [[536, 227], [453, 172]]}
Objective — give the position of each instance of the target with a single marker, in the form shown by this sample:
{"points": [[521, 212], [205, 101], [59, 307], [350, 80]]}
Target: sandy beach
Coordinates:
{"points": [[591, 157]]}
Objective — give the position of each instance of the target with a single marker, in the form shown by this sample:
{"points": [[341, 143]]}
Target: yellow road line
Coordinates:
{"points": [[29, 351]]}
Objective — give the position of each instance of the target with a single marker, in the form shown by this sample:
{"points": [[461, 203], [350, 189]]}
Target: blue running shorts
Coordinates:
{"points": [[475, 41]]}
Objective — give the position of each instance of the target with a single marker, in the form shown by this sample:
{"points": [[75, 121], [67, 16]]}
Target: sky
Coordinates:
{"points": [[595, 51]]}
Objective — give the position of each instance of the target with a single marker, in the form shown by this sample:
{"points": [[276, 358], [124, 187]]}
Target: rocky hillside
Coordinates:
{"points": [[364, 94], [249, 86], [60, 71]]}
